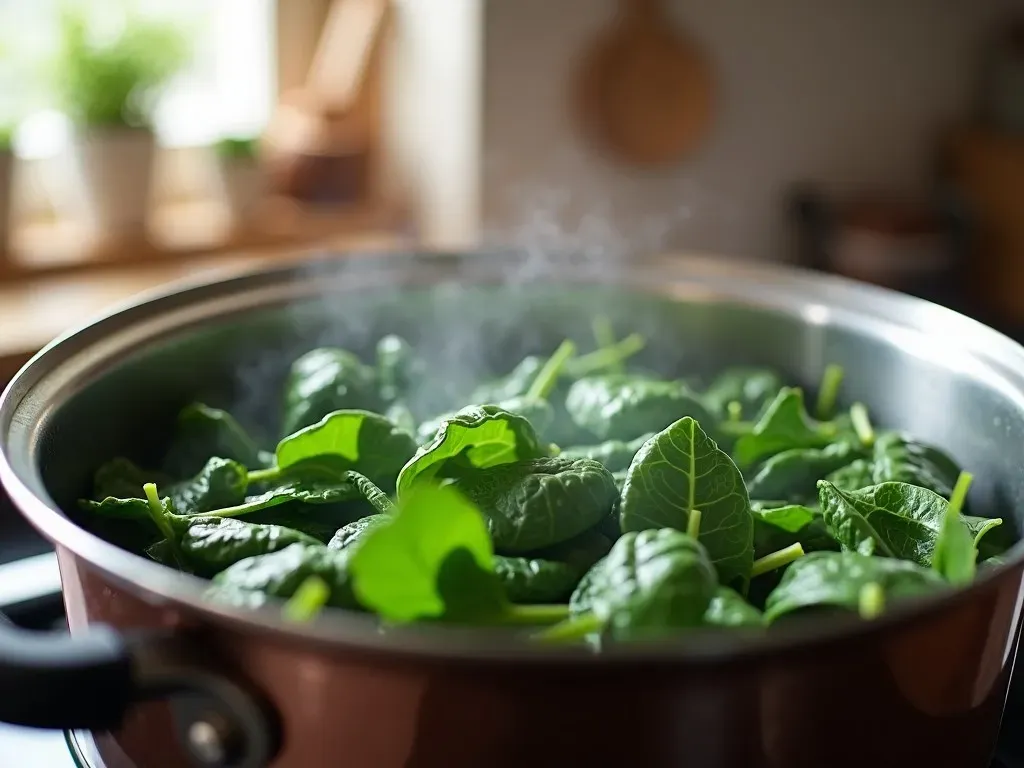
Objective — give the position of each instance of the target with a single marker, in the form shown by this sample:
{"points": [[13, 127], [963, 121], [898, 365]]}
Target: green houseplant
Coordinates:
{"points": [[107, 79], [240, 174]]}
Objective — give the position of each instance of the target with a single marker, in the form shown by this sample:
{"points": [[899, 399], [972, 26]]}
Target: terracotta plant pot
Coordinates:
{"points": [[114, 168]]}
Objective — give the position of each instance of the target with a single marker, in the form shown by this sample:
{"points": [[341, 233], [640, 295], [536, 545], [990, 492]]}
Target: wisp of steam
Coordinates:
{"points": [[545, 237]]}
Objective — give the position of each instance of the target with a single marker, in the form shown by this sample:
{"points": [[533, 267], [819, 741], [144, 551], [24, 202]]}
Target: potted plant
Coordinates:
{"points": [[240, 174], [107, 85], [6, 177]]}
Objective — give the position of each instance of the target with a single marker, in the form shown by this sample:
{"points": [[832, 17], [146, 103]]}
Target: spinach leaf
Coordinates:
{"points": [[680, 470], [528, 580], [319, 520], [841, 580], [615, 455], [477, 437], [729, 609], [319, 510], [794, 474], [398, 368], [779, 527], [899, 458], [357, 530], [435, 561], [579, 552], [202, 432], [858, 474], [325, 380], [624, 406], [249, 582], [752, 388], [784, 425], [340, 442], [955, 557], [651, 582], [991, 536], [208, 545], [220, 483], [539, 502], [122, 479], [889, 519], [513, 384]]}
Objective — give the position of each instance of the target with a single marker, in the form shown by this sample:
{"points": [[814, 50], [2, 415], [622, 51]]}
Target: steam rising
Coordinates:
{"points": [[464, 342]]}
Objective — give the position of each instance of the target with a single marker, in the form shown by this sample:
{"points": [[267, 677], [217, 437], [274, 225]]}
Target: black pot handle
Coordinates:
{"points": [[54, 680], [90, 681]]}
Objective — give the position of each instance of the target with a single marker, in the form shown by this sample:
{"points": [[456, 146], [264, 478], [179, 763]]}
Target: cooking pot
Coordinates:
{"points": [[167, 678]]}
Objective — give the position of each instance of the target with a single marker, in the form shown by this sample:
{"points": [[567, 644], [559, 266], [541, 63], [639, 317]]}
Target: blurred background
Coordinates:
{"points": [[145, 141]]}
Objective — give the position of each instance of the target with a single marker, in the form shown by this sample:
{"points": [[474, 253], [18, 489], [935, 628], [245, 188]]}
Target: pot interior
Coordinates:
{"points": [[936, 388]]}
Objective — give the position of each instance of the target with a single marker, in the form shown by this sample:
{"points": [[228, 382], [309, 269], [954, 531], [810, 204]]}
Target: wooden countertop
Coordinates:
{"points": [[34, 311]]}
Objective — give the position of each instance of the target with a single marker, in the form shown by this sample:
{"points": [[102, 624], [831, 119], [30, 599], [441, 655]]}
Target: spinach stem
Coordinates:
{"points": [[777, 559], [736, 428], [377, 498], [571, 629], [549, 373], [604, 336], [829, 390], [862, 424], [159, 517], [535, 614], [621, 351], [870, 600], [693, 524], [308, 599], [156, 511], [959, 494], [734, 410], [264, 475]]}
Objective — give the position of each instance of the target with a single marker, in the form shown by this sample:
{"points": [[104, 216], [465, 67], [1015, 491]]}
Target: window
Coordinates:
{"points": [[227, 88]]}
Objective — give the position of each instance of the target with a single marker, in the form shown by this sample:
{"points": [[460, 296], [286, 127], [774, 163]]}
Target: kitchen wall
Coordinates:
{"points": [[850, 93]]}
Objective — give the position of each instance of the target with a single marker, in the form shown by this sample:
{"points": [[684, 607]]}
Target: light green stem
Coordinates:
{"points": [[264, 475], [156, 511], [734, 410], [959, 494], [572, 629], [308, 600], [862, 424], [777, 559], [159, 517], [604, 336], [736, 428], [870, 600], [548, 375], [829, 391], [601, 359], [535, 615], [693, 524]]}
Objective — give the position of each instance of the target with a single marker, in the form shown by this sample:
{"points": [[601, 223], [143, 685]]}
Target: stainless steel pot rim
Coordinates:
{"points": [[769, 285]]}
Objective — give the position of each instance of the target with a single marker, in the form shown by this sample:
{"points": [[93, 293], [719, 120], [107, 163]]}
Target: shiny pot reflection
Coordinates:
{"points": [[923, 685]]}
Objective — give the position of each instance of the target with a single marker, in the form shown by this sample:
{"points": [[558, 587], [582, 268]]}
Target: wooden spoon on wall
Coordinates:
{"points": [[644, 91]]}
